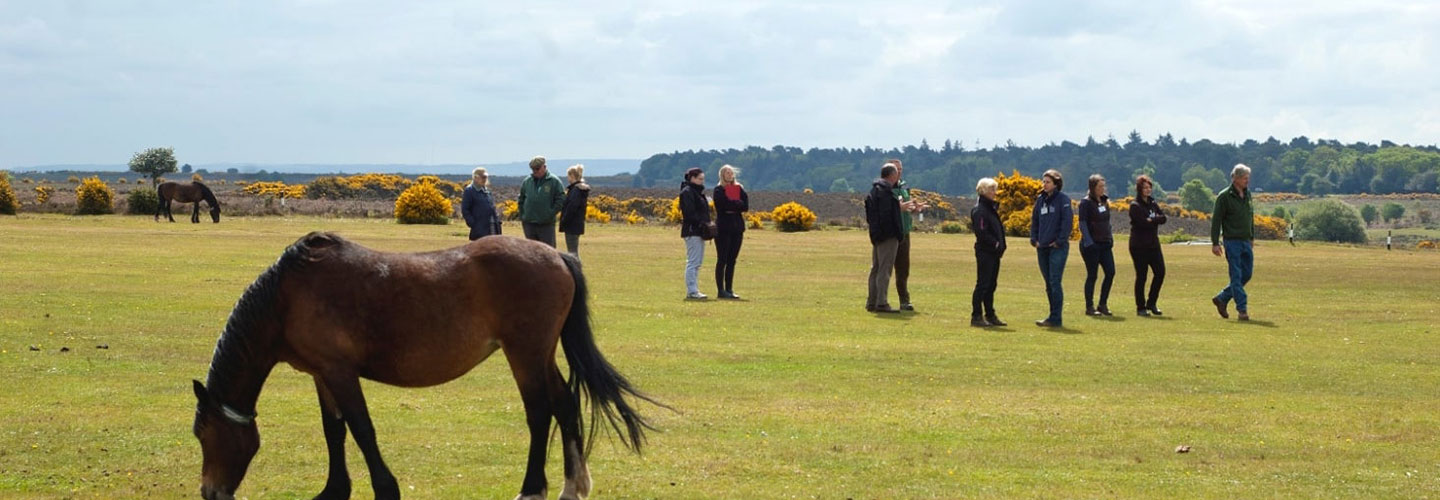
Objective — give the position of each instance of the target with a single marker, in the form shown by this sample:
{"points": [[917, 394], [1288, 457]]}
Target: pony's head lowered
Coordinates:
{"points": [[211, 200], [228, 442]]}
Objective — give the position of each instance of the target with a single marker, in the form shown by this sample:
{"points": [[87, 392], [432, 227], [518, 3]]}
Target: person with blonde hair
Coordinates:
{"points": [[477, 205], [1051, 221], [572, 216], [541, 198], [731, 203], [989, 248]]}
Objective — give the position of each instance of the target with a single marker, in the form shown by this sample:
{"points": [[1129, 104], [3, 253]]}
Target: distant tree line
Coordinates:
{"points": [[1300, 165]]}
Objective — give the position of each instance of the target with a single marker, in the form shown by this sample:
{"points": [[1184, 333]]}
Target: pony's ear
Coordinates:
{"points": [[201, 394]]}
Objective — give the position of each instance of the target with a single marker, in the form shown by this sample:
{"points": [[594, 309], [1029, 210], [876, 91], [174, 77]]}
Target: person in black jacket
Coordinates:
{"points": [[477, 205], [572, 214], [731, 203], [1145, 220], [989, 248], [882, 211], [1097, 245], [694, 216]]}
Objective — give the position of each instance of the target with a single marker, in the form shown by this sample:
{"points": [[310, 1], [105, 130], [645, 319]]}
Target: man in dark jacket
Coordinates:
{"points": [[541, 198], [882, 211], [989, 248], [1235, 218]]}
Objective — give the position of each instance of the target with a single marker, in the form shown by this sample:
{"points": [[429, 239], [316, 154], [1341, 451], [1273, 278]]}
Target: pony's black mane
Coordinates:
{"points": [[206, 193], [244, 341]]}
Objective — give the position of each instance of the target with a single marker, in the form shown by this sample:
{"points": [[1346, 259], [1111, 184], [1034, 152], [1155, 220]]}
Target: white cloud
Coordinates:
{"points": [[440, 82]]}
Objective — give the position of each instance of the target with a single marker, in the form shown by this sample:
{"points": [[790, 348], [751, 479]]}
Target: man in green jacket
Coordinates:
{"points": [[908, 206], [1235, 218], [541, 198]]}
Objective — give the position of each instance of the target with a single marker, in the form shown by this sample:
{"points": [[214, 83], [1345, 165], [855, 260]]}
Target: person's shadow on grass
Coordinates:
{"points": [[1260, 322]]}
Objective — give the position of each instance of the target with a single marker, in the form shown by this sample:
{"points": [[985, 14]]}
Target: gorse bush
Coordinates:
{"points": [[756, 221], [94, 197], [1016, 195], [1270, 228], [674, 215], [595, 215], [43, 194], [509, 209], [72, 179], [634, 218], [142, 200], [275, 189], [423, 203], [8, 202], [952, 227], [792, 217]]}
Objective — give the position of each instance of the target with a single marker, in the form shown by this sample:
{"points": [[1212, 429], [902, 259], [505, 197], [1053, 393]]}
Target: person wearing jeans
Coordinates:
{"points": [[1234, 219], [695, 215], [1097, 246], [1051, 221]]}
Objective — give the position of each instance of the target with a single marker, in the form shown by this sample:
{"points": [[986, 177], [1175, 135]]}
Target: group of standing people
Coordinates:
{"points": [[1051, 223], [542, 198], [727, 229]]}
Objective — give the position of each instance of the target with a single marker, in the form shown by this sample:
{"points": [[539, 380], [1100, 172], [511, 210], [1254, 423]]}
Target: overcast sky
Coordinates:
{"points": [[316, 81]]}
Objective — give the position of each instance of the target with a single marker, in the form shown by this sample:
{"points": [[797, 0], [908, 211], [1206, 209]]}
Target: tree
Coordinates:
{"points": [[841, 186], [154, 162], [1195, 195], [1392, 212], [1329, 220], [1369, 213], [185, 169], [232, 170]]}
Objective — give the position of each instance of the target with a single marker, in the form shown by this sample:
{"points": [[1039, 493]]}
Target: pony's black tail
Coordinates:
{"points": [[593, 376]]}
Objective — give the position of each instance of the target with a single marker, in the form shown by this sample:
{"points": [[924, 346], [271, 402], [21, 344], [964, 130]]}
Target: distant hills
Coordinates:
{"points": [[593, 167]]}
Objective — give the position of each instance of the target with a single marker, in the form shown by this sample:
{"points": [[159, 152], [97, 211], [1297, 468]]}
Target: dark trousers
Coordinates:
{"points": [[902, 270], [544, 233], [1052, 269], [727, 246], [1148, 259], [1101, 256], [987, 274]]}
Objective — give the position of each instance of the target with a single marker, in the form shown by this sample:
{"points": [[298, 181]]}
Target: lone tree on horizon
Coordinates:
{"points": [[154, 162]]}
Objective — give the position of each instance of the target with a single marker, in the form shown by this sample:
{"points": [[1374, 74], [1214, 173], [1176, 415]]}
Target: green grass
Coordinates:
{"points": [[794, 393]]}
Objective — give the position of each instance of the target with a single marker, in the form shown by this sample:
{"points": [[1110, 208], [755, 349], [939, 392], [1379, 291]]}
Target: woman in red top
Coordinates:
{"points": [[731, 203]]}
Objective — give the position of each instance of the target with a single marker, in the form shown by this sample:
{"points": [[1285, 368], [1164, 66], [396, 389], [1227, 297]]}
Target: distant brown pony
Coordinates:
{"points": [[339, 312], [193, 192]]}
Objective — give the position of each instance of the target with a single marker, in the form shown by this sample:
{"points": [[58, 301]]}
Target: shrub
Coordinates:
{"points": [[509, 209], [809, 191], [26, 180], [1425, 245], [1195, 195], [595, 215], [952, 227], [1424, 215], [1016, 195], [72, 179], [756, 220], [8, 201], [122, 181], [1279, 212], [606, 203], [674, 215], [1179, 236], [633, 218], [94, 197], [1392, 212], [142, 200], [1329, 220], [1270, 228], [939, 208], [422, 203], [791, 217], [275, 190], [1369, 213], [43, 194], [196, 177]]}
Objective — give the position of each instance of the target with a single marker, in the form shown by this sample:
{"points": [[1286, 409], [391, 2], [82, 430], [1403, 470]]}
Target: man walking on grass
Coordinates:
{"points": [[1234, 218]]}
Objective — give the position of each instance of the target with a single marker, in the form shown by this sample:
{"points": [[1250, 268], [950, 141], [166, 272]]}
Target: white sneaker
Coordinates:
{"points": [[697, 296]]}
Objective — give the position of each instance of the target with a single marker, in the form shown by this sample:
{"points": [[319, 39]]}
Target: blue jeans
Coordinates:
{"points": [[1052, 268], [694, 255], [1240, 255]]}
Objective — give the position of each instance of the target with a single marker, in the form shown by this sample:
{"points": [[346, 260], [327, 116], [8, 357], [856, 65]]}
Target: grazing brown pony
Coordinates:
{"points": [[339, 312], [194, 192]]}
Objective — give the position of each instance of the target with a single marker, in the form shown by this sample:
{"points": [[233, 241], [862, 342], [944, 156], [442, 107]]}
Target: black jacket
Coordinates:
{"points": [[989, 230], [1095, 222], [694, 210], [882, 212], [1145, 220], [572, 214], [730, 214]]}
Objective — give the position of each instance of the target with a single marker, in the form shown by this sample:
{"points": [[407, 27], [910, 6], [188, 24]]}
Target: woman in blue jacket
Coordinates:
{"points": [[478, 206], [1051, 221]]}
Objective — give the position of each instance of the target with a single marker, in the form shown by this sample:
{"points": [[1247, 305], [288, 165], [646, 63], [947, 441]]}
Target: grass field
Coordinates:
{"points": [[796, 392]]}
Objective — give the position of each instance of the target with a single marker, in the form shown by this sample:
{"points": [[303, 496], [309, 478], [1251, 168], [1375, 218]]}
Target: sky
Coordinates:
{"points": [[446, 82]]}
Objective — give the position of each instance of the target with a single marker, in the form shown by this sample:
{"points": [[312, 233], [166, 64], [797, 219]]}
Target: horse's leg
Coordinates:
{"points": [[195, 215], [168, 214], [351, 401], [567, 415], [337, 486], [531, 375], [159, 204]]}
